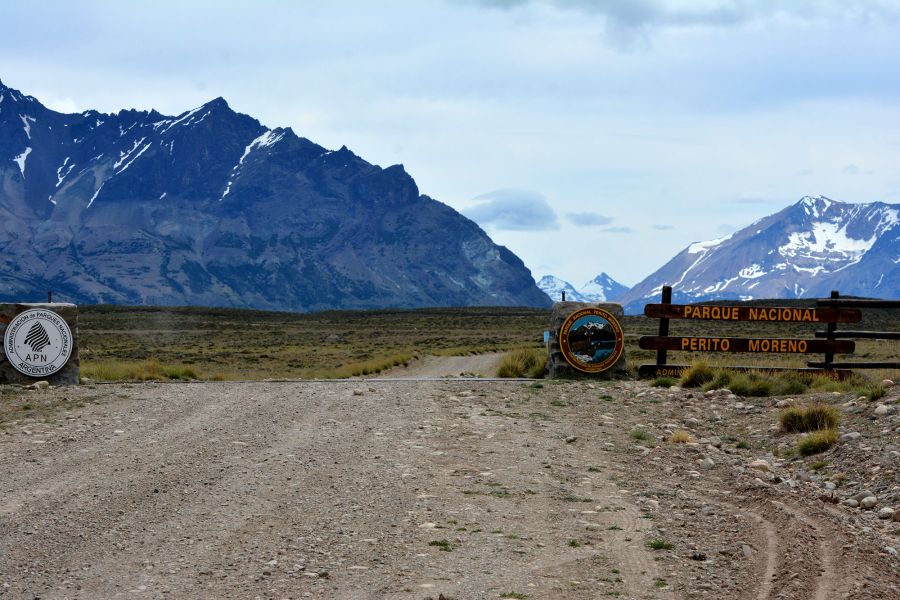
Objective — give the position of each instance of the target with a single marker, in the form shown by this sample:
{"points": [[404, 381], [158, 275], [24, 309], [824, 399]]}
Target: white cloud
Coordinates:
{"points": [[513, 210]]}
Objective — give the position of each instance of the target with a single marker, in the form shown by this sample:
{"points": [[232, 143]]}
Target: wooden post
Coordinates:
{"points": [[829, 335], [564, 295], [49, 296], [664, 326]]}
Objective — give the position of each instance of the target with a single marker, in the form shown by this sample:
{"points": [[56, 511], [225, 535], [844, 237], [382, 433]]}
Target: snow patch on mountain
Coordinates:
{"points": [[20, 160]]}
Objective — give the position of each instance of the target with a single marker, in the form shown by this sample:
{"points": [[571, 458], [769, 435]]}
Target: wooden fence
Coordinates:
{"points": [[829, 312]]}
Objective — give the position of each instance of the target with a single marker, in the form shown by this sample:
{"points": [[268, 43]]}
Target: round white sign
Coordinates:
{"points": [[38, 342]]}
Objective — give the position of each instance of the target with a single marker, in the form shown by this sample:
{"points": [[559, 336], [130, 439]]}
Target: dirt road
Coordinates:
{"points": [[407, 490], [473, 365]]}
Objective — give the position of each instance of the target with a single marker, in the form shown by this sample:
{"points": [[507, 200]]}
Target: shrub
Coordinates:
{"points": [[680, 436], [792, 419], [721, 380], [790, 382], [817, 417], [750, 385], [856, 383], [442, 545], [822, 416], [874, 391], [659, 545], [663, 382], [523, 362], [697, 375], [638, 434], [817, 442]]}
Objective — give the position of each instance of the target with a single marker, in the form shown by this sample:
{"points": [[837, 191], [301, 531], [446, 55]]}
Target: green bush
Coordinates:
{"points": [[523, 362], [819, 416], [792, 419], [641, 436], [698, 375], [721, 380], [663, 382], [750, 385], [822, 416], [790, 382], [659, 544], [817, 442]]}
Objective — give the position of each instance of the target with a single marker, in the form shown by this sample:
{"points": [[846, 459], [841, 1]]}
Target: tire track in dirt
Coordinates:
{"points": [[771, 556], [790, 532], [827, 584]]}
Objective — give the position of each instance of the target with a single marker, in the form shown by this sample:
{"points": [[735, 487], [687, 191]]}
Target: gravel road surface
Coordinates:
{"points": [[403, 489]]}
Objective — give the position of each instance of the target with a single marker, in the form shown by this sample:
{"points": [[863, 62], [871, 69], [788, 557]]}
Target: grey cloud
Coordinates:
{"points": [[514, 210], [641, 14], [588, 219]]}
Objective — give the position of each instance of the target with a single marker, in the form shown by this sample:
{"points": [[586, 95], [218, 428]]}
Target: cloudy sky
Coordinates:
{"points": [[586, 136]]}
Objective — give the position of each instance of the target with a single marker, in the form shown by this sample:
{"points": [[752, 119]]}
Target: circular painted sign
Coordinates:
{"points": [[591, 340], [38, 342]]}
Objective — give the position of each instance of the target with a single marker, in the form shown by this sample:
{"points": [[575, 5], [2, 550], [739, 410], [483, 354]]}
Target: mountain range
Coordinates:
{"points": [[210, 207], [601, 288], [804, 251]]}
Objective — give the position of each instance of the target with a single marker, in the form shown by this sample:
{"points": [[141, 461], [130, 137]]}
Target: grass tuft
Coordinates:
{"points": [[698, 375], [659, 544], [817, 417], [817, 442], [640, 435], [680, 436], [663, 382], [523, 362], [442, 545]]}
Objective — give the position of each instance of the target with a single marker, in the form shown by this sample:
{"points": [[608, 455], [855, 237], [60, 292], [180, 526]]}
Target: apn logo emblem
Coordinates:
{"points": [[37, 337], [38, 342]]}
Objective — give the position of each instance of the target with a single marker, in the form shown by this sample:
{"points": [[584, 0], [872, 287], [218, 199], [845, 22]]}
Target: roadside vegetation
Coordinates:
{"points": [[155, 343], [523, 362], [120, 342], [783, 383]]}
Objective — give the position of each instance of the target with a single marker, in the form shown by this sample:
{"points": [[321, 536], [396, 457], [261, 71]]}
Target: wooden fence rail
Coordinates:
{"points": [[831, 333]]}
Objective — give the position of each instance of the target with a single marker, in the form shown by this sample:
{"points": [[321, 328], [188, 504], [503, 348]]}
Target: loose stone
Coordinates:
{"points": [[868, 502]]}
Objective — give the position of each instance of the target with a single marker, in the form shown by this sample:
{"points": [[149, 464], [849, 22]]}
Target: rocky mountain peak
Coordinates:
{"points": [[210, 207], [805, 250]]}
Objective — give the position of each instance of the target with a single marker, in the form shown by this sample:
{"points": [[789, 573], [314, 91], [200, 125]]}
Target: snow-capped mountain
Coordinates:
{"points": [[210, 207], [804, 251], [601, 288], [554, 287]]}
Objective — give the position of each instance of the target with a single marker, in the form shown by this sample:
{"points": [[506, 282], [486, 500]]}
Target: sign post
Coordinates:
{"points": [[586, 340], [39, 343]]}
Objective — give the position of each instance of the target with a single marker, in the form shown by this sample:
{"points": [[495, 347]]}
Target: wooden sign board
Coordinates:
{"points": [[676, 371], [754, 345], [753, 313]]}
